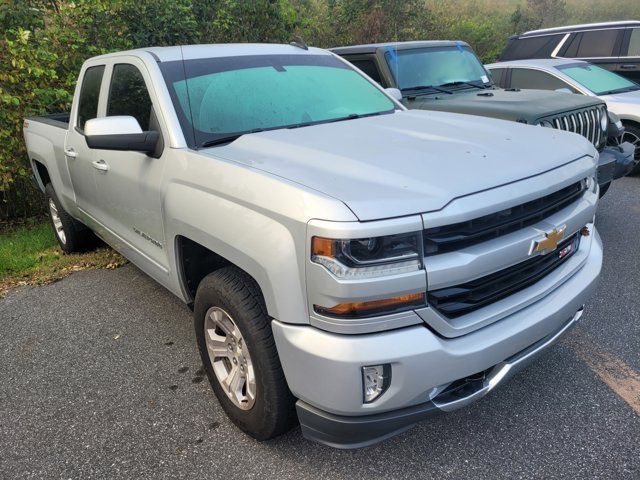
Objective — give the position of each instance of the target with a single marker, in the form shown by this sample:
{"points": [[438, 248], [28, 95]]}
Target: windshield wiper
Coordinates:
{"points": [[462, 82], [227, 138], [418, 88], [351, 116]]}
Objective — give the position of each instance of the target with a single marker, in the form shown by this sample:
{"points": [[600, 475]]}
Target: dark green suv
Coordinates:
{"points": [[448, 76]]}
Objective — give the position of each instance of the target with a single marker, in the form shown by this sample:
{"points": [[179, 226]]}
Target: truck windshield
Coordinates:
{"points": [[222, 98], [598, 80], [436, 67]]}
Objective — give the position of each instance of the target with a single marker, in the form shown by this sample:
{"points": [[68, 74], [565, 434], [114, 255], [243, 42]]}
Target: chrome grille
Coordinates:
{"points": [[584, 122]]}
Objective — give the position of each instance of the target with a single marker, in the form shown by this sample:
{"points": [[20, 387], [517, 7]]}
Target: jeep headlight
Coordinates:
{"points": [[546, 123], [369, 257], [604, 120]]}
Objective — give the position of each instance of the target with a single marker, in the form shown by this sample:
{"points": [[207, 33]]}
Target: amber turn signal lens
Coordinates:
{"points": [[322, 247], [359, 309]]}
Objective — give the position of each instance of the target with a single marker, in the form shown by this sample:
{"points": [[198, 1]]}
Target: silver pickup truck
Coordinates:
{"points": [[351, 265]]}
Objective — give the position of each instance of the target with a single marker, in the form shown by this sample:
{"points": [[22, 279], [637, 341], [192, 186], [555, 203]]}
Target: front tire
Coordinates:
{"points": [[239, 354], [72, 235], [632, 135]]}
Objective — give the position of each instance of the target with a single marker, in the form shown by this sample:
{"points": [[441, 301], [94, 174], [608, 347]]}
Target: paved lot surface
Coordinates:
{"points": [[100, 378]]}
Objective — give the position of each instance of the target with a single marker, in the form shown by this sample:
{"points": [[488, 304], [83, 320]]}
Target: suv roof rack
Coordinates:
{"points": [[585, 26]]}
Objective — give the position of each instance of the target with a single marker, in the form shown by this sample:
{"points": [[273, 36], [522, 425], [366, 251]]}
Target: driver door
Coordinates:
{"points": [[128, 183]]}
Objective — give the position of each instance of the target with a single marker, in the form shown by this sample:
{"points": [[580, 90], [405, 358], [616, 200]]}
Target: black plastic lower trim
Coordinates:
{"points": [[607, 166], [358, 431]]}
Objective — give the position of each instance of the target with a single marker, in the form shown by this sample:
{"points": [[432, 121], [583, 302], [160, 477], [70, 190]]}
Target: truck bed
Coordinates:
{"points": [[60, 120]]}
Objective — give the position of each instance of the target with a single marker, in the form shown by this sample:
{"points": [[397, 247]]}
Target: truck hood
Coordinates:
{"points": [[406, 162], [523, 105]]}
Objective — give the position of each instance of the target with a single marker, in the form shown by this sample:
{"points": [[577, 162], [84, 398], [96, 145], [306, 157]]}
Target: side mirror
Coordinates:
{"points": [[119, 133], [563, 90], [615, 128], [394, 93]]}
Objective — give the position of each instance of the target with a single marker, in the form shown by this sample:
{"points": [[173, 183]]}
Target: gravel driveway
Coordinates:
{"points": [[100, 378]]}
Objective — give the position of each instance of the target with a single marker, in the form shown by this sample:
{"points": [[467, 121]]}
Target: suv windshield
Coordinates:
{"points": [[436, 67], [598, 80], [219, 99]]}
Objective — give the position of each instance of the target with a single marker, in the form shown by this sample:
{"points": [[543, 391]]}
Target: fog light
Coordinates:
{"points": [[375, 381]]}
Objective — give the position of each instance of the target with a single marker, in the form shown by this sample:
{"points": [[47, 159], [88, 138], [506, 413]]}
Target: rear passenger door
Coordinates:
{"points": [[600, 47], [629, 61], [129, 184], [78, 155]]}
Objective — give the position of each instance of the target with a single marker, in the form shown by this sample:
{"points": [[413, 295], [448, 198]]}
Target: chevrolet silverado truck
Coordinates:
{"points": [[448, 76], [351, 265]]}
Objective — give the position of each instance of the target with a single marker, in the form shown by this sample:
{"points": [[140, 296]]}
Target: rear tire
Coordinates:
{"points": [[72, 235], [233, 330]]}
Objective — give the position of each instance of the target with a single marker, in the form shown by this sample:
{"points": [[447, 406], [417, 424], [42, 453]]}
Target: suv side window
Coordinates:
{"points": [[128, 94], [531, 47], [634, 43], [369, 67], [89, 95], [499, 76], [535, 79], [597, 43]]}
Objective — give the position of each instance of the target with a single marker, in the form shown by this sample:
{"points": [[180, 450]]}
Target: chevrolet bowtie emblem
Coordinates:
{"points": [[549, 243]]}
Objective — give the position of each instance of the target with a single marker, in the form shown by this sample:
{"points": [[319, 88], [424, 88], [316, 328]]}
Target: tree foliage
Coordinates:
{"points": [[44, 42]]}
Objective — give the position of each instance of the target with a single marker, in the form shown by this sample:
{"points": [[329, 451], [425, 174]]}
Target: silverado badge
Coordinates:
{"points": [[549, 243]]}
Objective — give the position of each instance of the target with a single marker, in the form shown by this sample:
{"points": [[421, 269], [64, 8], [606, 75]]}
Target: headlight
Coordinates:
{"points": [[604, 120], [369, 257], [546, 123], [591, 183]]}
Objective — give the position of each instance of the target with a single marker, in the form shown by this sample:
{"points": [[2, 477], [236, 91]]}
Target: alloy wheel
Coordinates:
{"points": [[230, 358], [57, 222]]}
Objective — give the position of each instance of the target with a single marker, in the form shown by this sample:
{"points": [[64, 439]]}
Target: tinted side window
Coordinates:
{"points": [[598, 43], [128, 95], [368, 67], [533, 47], [535, 79], [499, 76], [571, 46], [634, 43], [89, 95]]}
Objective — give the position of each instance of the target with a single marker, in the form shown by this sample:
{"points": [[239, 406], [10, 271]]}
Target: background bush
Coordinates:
{"points": [[44, 42]]}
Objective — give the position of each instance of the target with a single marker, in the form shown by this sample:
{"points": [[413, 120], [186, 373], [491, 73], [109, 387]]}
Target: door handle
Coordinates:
{"points": [[100, 165], [70, 152], [628, 67]]}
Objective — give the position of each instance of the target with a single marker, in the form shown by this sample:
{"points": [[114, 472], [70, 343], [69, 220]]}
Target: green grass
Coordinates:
{"points": [[30, 255], [21, 250]]}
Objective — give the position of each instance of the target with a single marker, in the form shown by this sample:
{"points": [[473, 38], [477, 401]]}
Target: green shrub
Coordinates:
{"points": [[44, 42]]}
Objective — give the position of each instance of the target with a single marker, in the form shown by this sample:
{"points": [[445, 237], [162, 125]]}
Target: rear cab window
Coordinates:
{"points": [[89, 95], [368, 66]]}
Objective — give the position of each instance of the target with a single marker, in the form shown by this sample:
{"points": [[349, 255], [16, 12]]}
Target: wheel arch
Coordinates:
{"points": [[41, 173]]}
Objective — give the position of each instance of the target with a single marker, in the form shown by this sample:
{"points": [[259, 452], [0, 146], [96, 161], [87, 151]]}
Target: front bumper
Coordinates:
{"points": [[323, 369], [607, 166], [615, 162], [357, 432], [625, 159]]}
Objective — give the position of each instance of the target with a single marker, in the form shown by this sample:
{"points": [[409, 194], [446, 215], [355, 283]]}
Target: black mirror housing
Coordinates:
{"points": [[145, 142]]}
